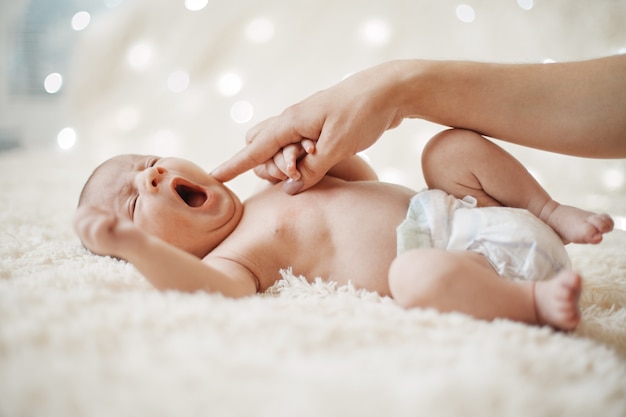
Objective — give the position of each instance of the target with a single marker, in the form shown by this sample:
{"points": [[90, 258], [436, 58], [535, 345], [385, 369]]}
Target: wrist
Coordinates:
{"points": [[410, 91]]}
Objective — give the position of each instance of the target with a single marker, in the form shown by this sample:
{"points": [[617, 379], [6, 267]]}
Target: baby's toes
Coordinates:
{"points": [[603, 222]]}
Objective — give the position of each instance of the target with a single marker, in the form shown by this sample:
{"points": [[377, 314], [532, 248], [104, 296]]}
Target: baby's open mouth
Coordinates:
{"points": [[194, 197]]}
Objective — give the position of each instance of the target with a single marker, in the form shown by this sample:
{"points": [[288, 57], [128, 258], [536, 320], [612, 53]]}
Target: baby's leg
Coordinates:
{"points": [[462, 162], [465, 282]]}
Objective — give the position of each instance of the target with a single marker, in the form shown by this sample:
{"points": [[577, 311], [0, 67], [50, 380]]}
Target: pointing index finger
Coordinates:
{"points": [[245, 159], [260, 148]]}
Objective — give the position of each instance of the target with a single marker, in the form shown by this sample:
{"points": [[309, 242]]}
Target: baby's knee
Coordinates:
{"points": [[450, 143], [450, 148], [418, 277]]}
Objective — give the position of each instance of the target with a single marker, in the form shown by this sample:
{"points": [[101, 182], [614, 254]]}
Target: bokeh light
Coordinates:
{"points": [[241, 112], [260, 30], [80, 20], [465, 13], [375, 32], [140, 55], [230, 84], [53, 82], [195, 5], [66, 138], [525, 4]]}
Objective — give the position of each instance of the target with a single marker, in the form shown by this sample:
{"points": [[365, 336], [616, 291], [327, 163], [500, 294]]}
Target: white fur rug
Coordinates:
{"points": [[82, 335]]}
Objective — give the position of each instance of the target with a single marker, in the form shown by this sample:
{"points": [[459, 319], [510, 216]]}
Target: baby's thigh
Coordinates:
{"points": [[419, 276]]}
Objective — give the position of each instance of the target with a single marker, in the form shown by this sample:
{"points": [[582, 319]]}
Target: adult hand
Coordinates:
{"points": [[283, 165], [342, 120]]}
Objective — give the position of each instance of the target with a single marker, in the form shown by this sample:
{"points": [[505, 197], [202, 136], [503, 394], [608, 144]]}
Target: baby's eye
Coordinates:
{"points": [[133, 204]]}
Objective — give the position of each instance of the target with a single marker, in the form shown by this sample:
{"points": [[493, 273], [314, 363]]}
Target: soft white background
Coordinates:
{"points": [[121, 94]]}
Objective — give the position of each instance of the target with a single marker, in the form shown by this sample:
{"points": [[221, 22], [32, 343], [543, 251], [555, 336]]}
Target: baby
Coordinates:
{"points": [[184, 230]]}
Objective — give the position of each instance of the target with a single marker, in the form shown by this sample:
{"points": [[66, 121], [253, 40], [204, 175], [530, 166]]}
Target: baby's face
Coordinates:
{"points": [[171, 198]]}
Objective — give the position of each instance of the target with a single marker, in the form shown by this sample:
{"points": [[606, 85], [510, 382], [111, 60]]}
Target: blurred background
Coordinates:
{"points": [[87, 79]]}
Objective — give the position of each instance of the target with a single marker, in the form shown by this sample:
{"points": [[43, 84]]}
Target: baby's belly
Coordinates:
{"points": [[344, 232], [364, 269], [354, 242]]}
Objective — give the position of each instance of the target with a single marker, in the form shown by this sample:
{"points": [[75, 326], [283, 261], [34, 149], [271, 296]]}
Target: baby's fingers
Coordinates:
{"points": [[96, 229], [308, 145], [287, 160], [89, 220]]}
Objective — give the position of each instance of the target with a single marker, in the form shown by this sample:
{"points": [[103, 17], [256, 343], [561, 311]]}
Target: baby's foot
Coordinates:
{"points": [[575, 225], [556, 300]]}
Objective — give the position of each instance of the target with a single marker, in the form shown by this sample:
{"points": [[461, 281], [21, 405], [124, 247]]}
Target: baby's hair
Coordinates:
{"points": [[86, 188], [86, 191]]}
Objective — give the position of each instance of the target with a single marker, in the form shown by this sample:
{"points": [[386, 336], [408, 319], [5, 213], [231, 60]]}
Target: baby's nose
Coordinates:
{"points": [[153, 177]]}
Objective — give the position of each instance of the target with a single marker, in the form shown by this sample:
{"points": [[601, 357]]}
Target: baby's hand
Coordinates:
{"points": [[284, 164], [103, 233]]}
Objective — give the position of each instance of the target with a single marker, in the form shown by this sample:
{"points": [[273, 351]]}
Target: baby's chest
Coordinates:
{"points": [[290, 224]]}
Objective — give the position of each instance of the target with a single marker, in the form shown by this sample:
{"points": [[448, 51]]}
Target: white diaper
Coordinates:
{"points": [[514, 241]]}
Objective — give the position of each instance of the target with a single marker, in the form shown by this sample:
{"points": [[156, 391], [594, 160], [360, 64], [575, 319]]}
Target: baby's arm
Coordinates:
{"points": [[353, 169], [165, 266]]}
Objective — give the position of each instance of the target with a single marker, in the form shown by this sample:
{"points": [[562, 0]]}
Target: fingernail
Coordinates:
{"points": [[291, 186]]}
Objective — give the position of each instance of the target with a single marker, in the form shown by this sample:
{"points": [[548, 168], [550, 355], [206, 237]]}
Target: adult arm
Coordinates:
{"points": [[574, 108], [165, 266]]}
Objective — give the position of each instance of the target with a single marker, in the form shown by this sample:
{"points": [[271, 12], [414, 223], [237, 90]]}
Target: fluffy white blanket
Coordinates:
{"points": [[82, 335]]}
